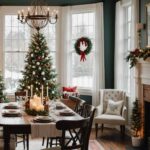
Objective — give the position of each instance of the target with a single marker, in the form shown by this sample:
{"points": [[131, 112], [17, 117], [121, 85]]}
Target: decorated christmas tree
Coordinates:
{"points": [[38, 74], [136, 123], [2, 88]]}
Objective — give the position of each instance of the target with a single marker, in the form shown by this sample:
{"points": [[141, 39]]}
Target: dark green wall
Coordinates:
{"points": [[109, 41], [143, 20], [49, 2]]}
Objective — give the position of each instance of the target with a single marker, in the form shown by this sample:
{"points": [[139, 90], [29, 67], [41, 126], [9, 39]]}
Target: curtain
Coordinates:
{"points": [[65, 21], [98, 81], [119, 47]]}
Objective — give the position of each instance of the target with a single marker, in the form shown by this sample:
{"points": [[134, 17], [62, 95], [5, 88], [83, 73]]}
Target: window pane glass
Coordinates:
{"points": [[81, 72], [16, 39]]}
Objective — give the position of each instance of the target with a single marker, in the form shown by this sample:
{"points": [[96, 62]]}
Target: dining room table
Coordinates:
{"points": [[24, 123]]}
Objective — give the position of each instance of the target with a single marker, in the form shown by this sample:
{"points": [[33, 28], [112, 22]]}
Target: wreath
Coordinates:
{"points": [[83, 46]]}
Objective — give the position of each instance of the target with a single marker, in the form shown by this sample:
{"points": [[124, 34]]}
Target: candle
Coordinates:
{"points": [[47, 91], [42, 95], [31, 90], [26, 94]]}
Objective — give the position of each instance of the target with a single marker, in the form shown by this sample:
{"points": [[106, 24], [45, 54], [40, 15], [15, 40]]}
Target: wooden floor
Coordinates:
{"points": [[111, 139]]}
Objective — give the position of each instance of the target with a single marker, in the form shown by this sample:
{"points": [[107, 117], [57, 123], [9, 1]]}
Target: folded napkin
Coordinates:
{"points": [[44, 130]]}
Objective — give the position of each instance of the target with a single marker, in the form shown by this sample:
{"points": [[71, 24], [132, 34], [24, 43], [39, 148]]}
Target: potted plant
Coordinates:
{"points": [[136, 124]]}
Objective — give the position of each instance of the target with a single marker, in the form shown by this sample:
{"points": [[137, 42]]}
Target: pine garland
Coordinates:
{"points": [[134, 55]]}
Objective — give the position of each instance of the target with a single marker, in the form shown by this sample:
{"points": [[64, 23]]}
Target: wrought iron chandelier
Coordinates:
{"points": [[39, 16]]}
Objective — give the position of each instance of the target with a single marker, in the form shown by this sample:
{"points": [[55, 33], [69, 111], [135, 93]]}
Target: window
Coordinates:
{"points": [[83, 24], [127, 45], [16, 40]]}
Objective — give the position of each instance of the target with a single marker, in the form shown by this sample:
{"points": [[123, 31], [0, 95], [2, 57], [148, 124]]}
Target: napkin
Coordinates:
{"points": [[44, 130]]}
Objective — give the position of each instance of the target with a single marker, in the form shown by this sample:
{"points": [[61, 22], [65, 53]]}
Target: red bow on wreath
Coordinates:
{"points": [[83, 47]]}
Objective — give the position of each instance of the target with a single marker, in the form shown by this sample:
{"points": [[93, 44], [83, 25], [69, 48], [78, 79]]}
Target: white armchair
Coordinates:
{"points": [[112, 109]]}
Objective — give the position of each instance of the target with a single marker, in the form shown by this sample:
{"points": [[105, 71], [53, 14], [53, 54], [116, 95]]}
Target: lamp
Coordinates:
{"points": [[39, 16]]}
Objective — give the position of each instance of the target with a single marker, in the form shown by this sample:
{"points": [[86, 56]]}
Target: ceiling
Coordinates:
{"points": [[49, 2]]}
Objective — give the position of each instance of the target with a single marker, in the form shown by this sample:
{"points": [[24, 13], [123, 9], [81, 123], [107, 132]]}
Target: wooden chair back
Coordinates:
{"points": [[20, 95], [88, 111], [77, 130], [78, 104]]}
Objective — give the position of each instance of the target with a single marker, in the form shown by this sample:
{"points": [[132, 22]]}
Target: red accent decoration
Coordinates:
{"points": [[83, 58], [69, 89]]}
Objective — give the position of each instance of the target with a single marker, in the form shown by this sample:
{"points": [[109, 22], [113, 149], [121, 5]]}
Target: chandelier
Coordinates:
{"points": [[39, 16]]}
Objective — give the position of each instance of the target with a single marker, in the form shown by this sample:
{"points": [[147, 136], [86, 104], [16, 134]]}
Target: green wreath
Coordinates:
{"points": [[87, 45]]}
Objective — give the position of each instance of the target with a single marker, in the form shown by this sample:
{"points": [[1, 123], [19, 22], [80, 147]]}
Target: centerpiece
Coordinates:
{"points": [[36, 105]]}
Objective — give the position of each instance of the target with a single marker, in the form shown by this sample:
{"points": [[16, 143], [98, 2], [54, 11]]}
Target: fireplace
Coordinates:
{"points": [[147, 121], [146, 98], [142, 84]]}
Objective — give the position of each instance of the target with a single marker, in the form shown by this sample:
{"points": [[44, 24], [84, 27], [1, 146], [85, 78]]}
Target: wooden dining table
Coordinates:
{"points": [[22, 124]]}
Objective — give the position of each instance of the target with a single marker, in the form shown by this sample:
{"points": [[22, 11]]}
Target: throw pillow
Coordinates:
{"points": [[69, 91], [114, 107]]}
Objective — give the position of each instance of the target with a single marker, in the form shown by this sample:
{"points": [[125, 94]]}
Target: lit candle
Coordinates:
{"points": [[31, 90], [18, 14], [42, 95], [26, 94], [47, 91]]}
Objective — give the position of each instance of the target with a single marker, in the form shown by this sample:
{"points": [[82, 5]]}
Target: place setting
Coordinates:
{"points": [[43, 119], [11, 113]]}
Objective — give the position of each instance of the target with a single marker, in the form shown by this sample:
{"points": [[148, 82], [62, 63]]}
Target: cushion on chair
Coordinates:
{"points": [[113, 94], [110, 119], [114, 107]]}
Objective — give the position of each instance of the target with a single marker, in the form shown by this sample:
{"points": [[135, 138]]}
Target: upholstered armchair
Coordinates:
{"points": [[112, 109]]}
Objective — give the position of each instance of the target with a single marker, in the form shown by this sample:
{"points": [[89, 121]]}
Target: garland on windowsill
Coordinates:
{"points": [[137, 53]]}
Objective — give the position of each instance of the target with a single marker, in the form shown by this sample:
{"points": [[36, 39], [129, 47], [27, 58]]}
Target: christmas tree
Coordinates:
{"points": [[136, 119], [2, 88], [38, 73]]}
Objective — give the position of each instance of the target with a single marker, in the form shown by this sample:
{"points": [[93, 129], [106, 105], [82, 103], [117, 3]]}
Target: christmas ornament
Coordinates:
{"points": [[43, 73], [38, 63], [83, 47]]}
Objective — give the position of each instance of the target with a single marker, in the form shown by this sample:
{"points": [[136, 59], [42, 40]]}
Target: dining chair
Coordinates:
{"points": [[78, 108], [88, 112], [78, 132], [78, 104], [20, 96], [12, 141]]}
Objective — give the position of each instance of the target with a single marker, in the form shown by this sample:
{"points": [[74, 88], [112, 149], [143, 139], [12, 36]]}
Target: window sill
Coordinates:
{"points": [[85, 91]]}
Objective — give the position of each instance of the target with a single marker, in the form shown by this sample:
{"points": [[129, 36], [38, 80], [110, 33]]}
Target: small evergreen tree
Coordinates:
{"points": [[136, 122], [38, 69], [2, 88]]}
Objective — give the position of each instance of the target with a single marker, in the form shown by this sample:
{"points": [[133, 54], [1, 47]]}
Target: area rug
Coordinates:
{"points": [[36, 144]]}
